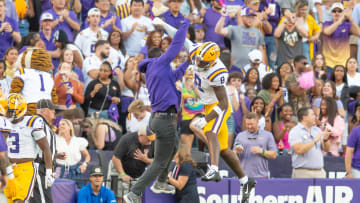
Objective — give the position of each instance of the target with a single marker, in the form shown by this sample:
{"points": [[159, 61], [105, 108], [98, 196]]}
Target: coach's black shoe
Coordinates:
{"points": [[246, 189], [211, 175]]}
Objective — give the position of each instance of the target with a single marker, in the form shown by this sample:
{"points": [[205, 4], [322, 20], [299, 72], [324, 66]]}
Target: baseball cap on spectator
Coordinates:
{"points": [[97, 170], [255, 56], [175, 1], [145, 130], [337, 5], [46, 16], [94, 11], [45, 103], [248, 12]]}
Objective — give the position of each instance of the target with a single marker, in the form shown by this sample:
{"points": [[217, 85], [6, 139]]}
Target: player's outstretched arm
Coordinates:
{"points": [[171, 31], [176, 44]]}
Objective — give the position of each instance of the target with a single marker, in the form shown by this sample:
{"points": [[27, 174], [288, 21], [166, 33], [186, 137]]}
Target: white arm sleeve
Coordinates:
{"points": [[171, 32]]}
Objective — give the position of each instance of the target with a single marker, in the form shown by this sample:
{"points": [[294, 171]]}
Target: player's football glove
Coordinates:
{"points": [[49, 178], [200, 123]]}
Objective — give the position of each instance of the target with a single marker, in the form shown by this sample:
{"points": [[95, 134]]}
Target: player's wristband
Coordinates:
{"points": [[218, 110], [10, 172]]}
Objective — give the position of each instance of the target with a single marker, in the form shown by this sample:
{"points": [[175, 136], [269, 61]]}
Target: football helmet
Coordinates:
{"points": [[206, 55], [16, 107]]}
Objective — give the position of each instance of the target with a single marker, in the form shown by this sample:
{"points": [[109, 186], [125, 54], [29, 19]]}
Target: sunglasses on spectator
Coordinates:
{"points": [[336, 11], [305, 63]]}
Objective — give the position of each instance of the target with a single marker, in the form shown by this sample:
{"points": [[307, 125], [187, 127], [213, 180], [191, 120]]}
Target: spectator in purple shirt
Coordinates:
{"points": [[64, 19], [352, 156], [173, 16], [209, 17], [47, 37], [9, 30], [108, 21]]}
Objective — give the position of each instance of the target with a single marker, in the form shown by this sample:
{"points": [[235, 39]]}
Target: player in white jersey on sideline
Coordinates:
{"points": [[210, 78], [24, 141]]}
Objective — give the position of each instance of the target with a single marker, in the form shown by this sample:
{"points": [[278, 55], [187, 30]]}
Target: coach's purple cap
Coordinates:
{"points": [[248, 12]]}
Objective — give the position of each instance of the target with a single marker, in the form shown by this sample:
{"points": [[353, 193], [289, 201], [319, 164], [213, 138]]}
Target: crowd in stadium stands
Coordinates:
{"points": [[281, 55]]}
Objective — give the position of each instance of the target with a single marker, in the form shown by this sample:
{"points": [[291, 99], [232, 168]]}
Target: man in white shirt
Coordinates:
{"points": [[255, 59], [135, 28], [92, 63], [87, 38]]}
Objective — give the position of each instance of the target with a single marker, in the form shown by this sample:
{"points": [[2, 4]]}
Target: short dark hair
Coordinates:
{"points": [[236, 75], [225, 57], [303, 111], [154, 52], [251, 115], [299, 58], [100, 43], [267, 80], [137, 1]]}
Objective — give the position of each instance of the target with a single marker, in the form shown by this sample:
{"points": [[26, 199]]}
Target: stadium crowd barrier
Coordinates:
{"points": [[279, 190]]}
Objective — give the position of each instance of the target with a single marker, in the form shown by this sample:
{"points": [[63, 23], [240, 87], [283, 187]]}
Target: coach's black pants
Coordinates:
{"points": [[165, 148], [40, 194]]}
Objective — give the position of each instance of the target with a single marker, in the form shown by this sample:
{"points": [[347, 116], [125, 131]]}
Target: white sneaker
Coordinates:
{"points": [[165, 188]]}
